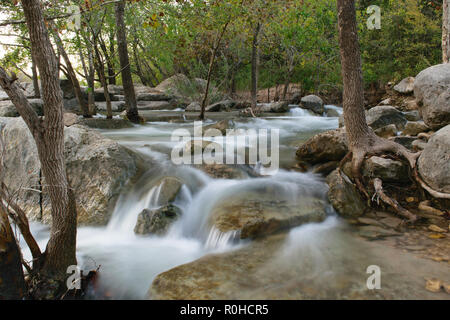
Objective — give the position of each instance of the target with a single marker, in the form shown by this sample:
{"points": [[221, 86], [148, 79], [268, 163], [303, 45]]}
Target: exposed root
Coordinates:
{"points": [[357, 162], [344, 160], [431, 191], [378, 185]]}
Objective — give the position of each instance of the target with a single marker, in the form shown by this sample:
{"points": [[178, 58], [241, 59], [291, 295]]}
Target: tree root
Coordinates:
{"points": [[378, 185]]}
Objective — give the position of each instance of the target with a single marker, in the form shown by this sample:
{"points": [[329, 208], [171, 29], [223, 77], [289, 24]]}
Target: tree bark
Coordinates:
{"points": [[99, 66], [446, 31], [127, 80], [49, 137], [255, 62]]}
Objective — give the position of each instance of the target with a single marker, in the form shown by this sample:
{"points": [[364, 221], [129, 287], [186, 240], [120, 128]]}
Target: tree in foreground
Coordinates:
{"points": [[361, 138], [48, 134], [446, 31]]}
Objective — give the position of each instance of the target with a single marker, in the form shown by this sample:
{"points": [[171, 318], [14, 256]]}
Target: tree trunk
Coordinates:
{"points": [[99, 66], [91, 84], [127, 80], [73, 77], [49, 136], [353, 97], [37, 89], [111, 72], [12, 281], [446, 31], [210, 68], [255, 62]]}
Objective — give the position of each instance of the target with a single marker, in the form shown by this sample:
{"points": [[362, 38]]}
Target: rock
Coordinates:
{"points": [[434, 162], [223, 171], [418, 145], [224, 105], [432, 91], [381, 116], [274, 107], [344, 196], [385, 169], [222, 126], [326, 168], [116, 106], [404, 141], [149, 96], [119, 97], [369, 221], [194, 107], [7, 109], [98, 168], [332, 113], [156, 221], [413, 128], [433, 285], [313, 103], [190, 146], [387, 131], [324, 147], [406, 86], [99, 95], [391, 222], [70, 119], [155, 105], [412, 115], [102, 123], [296, 98], [169, 189], [410, 105], [253, 217], [375, 232], [67, 88], [115, 90]]}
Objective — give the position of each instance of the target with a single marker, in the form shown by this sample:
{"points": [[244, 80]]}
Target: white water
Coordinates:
{"points": [[129, 262]]}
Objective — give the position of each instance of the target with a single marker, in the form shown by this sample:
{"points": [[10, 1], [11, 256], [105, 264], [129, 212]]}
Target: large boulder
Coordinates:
{"points": [[7, 108], [156, 221], [152, 96], [324, 147], [156, 105], [313, 103], [381, 116], [252, 217], [432, 91], [434, 162], [275, 107], [344, 196], [97, 167], [406, 86]]}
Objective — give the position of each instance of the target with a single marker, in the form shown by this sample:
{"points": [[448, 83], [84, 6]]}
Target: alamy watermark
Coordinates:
{"points": [[237, 146], [374, 21], [374, 281]]}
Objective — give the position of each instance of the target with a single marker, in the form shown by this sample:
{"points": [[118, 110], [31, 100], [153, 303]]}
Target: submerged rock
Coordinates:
{"points": [[324, 147], [97, 168], [434, 162], [344, 196], [156, 221], [259, 217], [432, 91]]}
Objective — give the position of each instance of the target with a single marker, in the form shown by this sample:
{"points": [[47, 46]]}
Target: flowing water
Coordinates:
{"points": [[129, 263]]}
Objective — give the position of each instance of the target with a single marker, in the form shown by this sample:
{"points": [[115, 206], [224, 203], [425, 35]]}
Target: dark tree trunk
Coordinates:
{"points": [[127, 80], [37, 89], [446, 31], [255, 62], [49, 136], [100, 67]]}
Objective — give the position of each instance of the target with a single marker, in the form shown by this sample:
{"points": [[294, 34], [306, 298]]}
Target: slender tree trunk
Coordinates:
{"points": [[111, 71], [48, 134], [99, 66], [446, 31], [210, 69], [37, 89], [255, 62], [73, 77], [127, 80], [91, 85]]}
